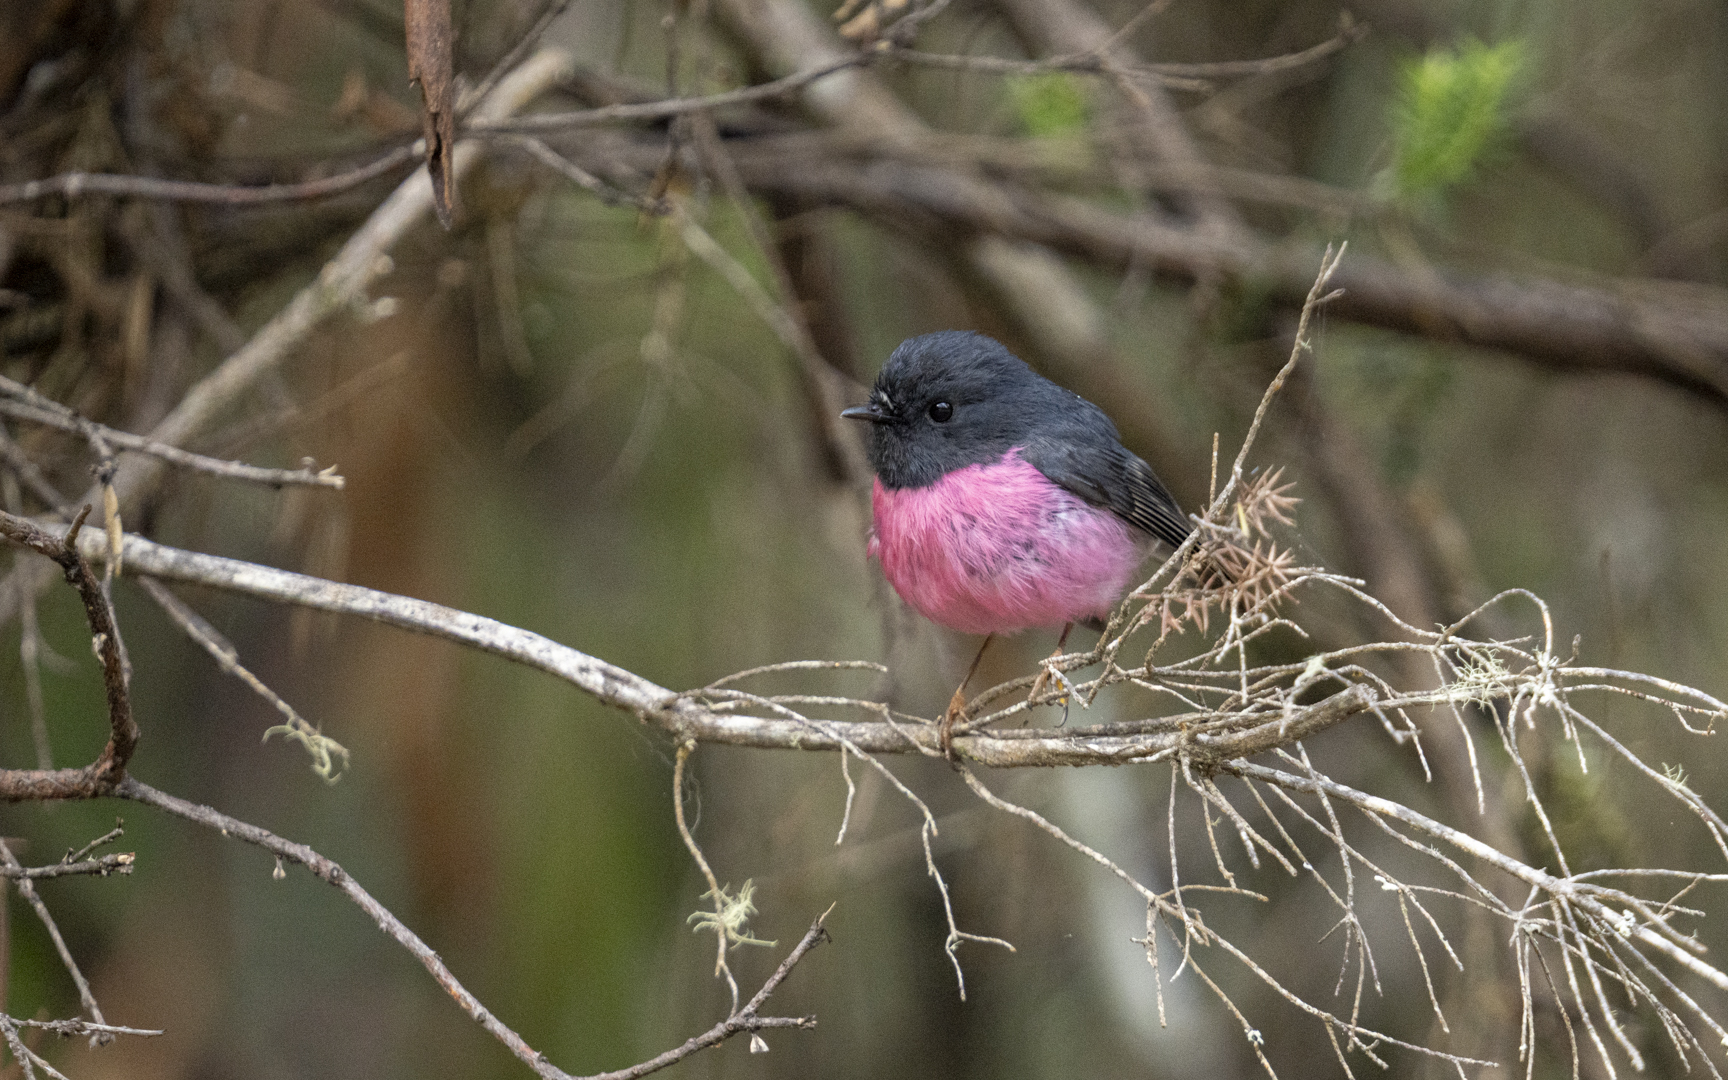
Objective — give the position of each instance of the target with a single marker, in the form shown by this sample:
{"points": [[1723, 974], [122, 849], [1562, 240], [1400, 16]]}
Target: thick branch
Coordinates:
{"points": [[1675, 334], [1300, 724], [675, 713]]}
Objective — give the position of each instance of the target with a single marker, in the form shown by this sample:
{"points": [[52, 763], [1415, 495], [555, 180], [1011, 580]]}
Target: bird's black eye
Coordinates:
{"points": [[941, 411]]}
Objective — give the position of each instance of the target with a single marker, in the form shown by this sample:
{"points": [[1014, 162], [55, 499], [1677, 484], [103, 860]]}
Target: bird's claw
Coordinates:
{"points": [[1047, 672], [945, 730]]}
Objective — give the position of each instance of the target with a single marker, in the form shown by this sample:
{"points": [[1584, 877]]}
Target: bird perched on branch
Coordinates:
{"points": [[1003, 501]]}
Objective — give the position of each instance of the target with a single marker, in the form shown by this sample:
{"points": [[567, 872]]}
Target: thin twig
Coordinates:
{"points": [[65, 1028], [21, 880], [40, 410], [506, 63], [721, 968], [101, 866], [742, 1020], [323, 749], [664, 110], [328, 871], [75, 184]]}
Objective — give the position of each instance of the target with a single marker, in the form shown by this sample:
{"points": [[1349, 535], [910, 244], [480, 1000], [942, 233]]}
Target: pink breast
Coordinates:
{"points": [[997, 548]]}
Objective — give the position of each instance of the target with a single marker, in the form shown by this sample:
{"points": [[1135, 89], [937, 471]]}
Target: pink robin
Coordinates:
{"points": [[1003, 501]]}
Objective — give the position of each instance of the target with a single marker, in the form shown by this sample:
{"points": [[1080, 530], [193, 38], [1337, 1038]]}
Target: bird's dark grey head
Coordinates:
{"points": [[955, 398]]}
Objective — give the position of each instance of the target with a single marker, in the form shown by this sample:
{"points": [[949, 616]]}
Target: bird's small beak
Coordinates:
{"points": [[866, 412]]}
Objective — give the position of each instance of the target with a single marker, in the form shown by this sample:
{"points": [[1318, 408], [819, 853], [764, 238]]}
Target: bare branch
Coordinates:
{"points": [[83, 1027], [326, 870], [21, 880], [742, 1020], [123, 730], [323, 749], [101, 866], [662, 110], [66, 420], [75, 184]]}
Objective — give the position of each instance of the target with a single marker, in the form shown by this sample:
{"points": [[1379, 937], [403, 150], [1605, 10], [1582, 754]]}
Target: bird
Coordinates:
{"points": [[1002, 501]]}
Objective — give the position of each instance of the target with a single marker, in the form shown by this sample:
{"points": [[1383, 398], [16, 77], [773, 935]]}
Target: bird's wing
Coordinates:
{"points": [[1107, 474]]}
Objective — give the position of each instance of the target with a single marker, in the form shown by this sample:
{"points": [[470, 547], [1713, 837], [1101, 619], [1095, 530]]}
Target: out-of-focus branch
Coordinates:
{"points": [[823, 384], [340, 286], [831, 68], [1063, 26], [74, 184], [1676, 334], [1096, 60]]}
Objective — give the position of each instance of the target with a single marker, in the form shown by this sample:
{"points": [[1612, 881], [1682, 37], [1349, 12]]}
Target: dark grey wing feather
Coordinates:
{"points": [[1105, 473]]}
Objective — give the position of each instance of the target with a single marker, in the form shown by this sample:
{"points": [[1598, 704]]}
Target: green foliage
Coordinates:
{"points": [[1449, 114], [1050, 105]]}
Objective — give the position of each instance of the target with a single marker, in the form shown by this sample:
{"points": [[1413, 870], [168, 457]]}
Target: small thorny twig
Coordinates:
{"points": [[24, 403], [740, 1020], [21, 880]]}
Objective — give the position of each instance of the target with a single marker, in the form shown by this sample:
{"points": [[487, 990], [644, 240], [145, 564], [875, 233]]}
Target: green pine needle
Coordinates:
{"points": [[1450, 113]]}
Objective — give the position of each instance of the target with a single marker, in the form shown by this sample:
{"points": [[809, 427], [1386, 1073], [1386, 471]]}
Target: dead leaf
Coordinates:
{"points": [[430, 64]]}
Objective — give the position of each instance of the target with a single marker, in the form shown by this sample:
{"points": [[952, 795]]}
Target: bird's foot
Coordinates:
{"points": [[1048, 672], [945, 730]]}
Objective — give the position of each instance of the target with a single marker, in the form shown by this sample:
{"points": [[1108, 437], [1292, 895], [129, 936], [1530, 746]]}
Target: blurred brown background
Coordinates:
{"points": [[574, 426]]}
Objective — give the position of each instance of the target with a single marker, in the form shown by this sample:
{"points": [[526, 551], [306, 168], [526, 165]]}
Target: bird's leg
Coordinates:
{"points": [[1047, 672], [957, 704]]}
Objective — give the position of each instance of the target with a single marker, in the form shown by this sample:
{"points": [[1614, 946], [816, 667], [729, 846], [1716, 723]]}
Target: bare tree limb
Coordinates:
{"points": [[35, 411], [101, 866], [123, 730], [656, 705], [74, 184]]}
